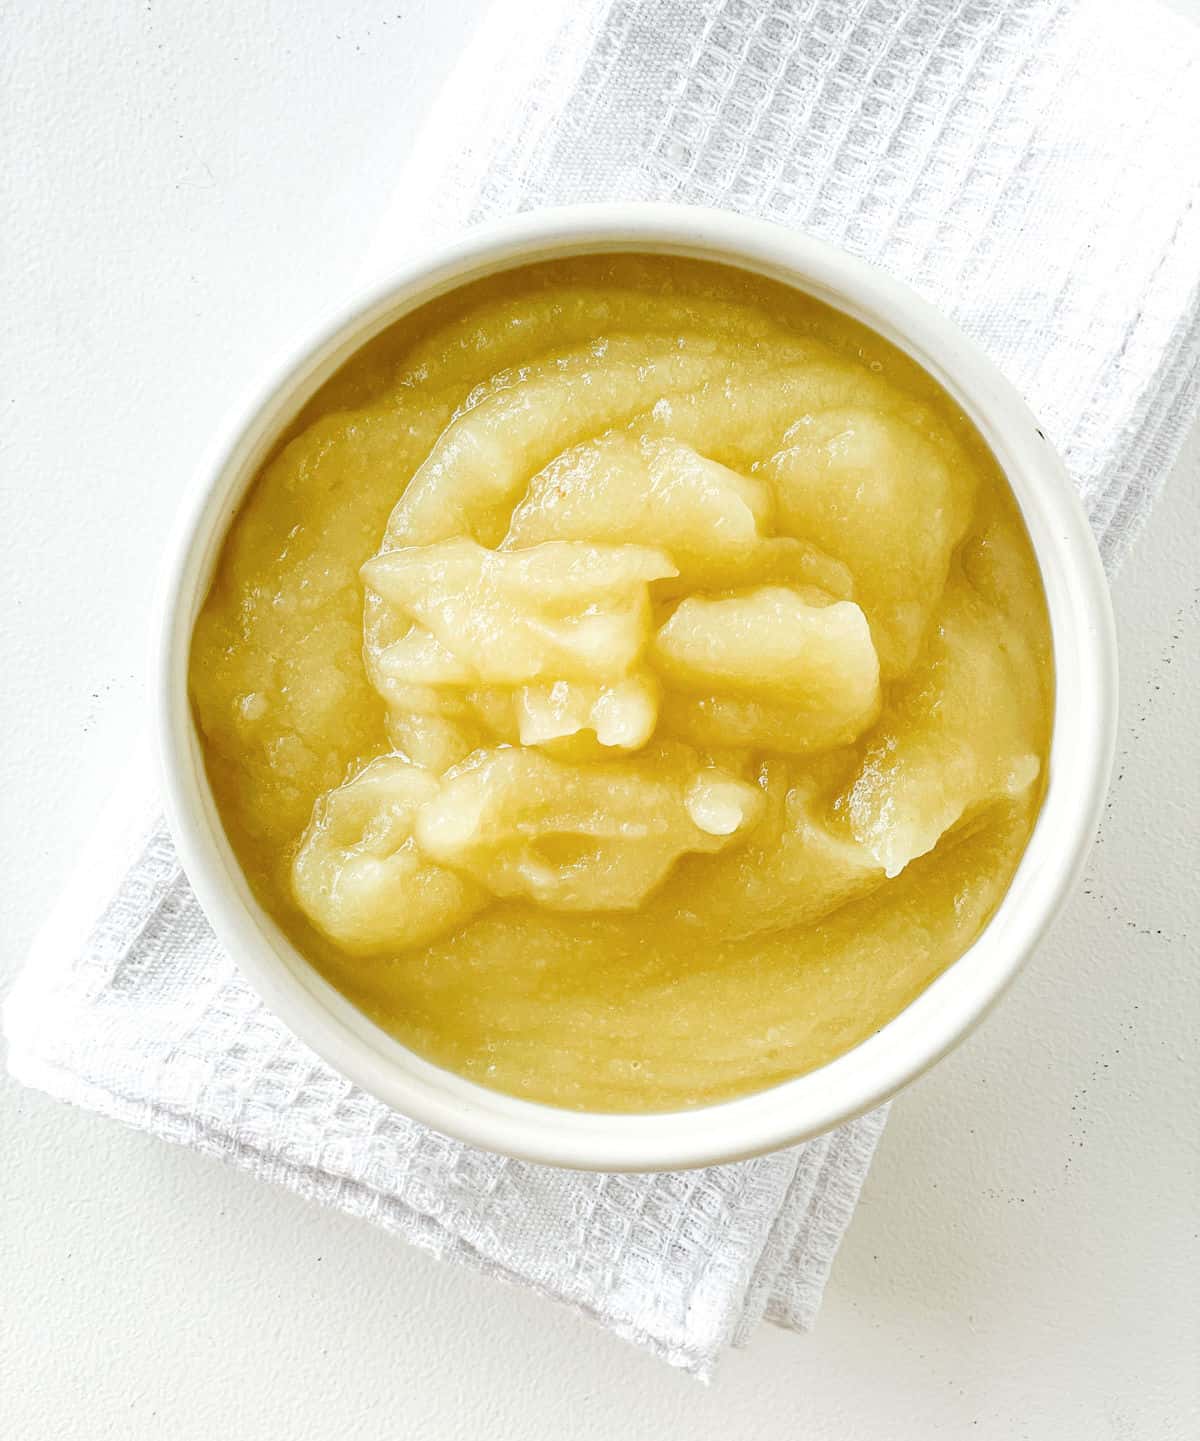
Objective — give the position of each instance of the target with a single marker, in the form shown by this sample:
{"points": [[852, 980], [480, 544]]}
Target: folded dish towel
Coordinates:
{"points": [[1033, 167]]}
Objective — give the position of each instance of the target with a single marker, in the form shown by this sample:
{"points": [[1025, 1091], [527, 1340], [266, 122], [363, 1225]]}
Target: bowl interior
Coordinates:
{"points": [[1081, 746]]}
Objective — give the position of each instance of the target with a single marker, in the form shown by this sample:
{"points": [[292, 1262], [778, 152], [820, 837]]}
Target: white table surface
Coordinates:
{"points": [[188, 182]]}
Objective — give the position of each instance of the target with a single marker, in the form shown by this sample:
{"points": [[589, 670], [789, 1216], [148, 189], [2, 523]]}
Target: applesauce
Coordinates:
{"points": [[628, 681]]}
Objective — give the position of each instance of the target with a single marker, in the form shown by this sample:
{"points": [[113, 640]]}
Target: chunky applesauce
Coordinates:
{"points": [[628, 681]]}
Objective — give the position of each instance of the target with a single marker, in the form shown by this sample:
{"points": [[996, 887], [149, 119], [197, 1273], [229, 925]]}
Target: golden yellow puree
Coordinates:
{"points": [[629, 682]]}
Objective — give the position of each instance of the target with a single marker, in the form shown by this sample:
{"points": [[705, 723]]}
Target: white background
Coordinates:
{"points": [[188, 183]]}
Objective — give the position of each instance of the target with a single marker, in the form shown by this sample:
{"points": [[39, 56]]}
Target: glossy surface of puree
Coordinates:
{"points": [[629, 682]]}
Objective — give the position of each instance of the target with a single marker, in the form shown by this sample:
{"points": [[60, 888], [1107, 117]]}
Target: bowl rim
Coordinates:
{"points": [[1082, 742]]}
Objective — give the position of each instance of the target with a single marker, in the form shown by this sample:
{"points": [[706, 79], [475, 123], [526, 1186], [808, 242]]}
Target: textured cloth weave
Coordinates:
{"points": [[1033, 167]]}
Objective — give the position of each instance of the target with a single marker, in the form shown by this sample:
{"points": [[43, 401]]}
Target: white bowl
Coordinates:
{"points": [[1080, 757]]}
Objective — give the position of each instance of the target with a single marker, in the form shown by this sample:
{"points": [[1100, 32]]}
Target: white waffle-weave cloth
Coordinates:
{"points": [[1031, 166]]}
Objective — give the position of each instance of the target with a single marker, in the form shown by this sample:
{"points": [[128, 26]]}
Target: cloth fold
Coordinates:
{"points": [[1031, 166], [128, 1005]]}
